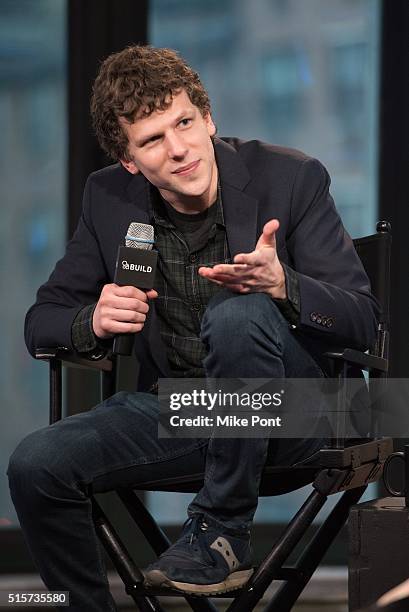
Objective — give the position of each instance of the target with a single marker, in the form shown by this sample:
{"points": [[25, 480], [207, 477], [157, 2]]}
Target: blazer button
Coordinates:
{"points": [[319, 320], [324, 320], [313, 316], [330, 322]]}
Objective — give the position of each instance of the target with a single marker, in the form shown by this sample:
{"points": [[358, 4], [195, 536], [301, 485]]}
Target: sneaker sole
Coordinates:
{"points": [[156, 578]]}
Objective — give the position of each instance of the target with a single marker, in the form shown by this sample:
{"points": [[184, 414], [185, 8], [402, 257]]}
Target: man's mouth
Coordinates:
{"points": [[187, 169]]}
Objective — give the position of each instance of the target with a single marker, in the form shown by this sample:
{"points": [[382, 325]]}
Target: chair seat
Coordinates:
{"points": [[278, 480], [274, 481]]}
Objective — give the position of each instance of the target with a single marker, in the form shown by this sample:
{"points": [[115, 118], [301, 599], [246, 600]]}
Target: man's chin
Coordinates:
{"points": [[192, 190]]}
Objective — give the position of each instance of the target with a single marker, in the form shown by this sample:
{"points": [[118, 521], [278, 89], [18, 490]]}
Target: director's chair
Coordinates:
{"points": [[344, 465]]}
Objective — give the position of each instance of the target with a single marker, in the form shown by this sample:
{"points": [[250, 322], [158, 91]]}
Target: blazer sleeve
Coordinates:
{"points": [[76, 281], [335, 297]]}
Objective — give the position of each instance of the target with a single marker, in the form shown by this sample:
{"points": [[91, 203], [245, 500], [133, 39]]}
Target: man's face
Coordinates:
{"points": [[172, 148]]}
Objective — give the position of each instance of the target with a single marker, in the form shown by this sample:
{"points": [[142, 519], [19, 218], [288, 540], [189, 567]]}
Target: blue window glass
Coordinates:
{"points": [[32, 228]]}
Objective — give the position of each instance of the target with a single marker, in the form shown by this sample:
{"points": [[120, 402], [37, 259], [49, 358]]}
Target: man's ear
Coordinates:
{"points": [[130, 166], [211, 127]]}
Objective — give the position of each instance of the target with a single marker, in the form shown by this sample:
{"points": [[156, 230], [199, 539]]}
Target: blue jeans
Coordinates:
{"points": [[54, 471]]}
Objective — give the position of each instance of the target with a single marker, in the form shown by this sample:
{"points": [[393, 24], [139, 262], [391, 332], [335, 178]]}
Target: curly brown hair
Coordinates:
{"points": [[135, 82]]}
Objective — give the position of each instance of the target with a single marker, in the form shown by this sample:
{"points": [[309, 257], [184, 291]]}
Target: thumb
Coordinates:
{"points": [[151, 294], [268, 237]]}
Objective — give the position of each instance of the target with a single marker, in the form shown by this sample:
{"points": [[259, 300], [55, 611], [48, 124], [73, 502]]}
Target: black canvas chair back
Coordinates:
{"points": [[348, 468], [375, 254]]}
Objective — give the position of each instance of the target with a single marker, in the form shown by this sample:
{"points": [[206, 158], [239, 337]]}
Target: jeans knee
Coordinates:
{"points": [[36, 466], [232, 318]]}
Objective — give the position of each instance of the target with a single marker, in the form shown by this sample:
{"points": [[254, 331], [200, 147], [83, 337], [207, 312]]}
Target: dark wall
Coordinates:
{"points": [[96, 28], [394, 170]]}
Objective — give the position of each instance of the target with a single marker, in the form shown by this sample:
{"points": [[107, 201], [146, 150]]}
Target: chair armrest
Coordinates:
{"points": [[72, 359], [365, 361]]}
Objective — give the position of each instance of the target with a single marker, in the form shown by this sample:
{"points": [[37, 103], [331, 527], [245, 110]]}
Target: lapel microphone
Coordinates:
{"points": [[135, 266]]}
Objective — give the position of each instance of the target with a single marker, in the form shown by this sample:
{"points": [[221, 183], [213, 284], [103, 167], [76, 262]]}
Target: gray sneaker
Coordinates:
{"points": [[207, 559]]}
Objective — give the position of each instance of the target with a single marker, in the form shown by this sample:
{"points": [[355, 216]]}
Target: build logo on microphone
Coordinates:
{"points": [[136, 267]]}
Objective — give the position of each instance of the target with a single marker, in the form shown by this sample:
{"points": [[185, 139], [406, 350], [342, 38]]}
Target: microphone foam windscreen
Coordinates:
{"points": [[140, 236]]}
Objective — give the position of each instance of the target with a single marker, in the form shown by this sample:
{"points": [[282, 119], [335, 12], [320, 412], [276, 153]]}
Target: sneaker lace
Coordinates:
{"points": [[196, 537], [199, 525]]}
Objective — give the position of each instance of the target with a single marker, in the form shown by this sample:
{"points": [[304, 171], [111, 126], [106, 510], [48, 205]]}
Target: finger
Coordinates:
{"points": [[213, 280], [125, 316], [267, 238], [128, 291], [204, 271], [271, 226], [247, 260], [152, 294], [208, 272], [237, 288], [226, 278], [223, 277], [120, 327], [123, 303], [269, 231], [229, 268]]}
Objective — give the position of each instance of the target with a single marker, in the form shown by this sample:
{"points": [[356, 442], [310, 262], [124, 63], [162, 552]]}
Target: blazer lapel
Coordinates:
{"points": [[240, 210], [139, 193]]}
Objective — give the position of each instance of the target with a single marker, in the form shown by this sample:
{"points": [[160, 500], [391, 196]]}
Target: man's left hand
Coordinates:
{"points": [[258, 271]]}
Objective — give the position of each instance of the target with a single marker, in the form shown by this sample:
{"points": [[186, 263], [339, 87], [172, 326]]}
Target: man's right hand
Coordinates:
{"points": [[121, 310]]}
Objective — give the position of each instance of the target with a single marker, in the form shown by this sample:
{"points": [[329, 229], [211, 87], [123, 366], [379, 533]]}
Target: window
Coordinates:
{"points": [[32, 171]]}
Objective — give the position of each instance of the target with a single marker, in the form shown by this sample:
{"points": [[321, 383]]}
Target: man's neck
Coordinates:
{"points": [[188, 206]]}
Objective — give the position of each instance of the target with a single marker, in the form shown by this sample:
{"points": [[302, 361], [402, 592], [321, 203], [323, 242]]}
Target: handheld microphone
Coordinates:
{"points": [[135, 266]]}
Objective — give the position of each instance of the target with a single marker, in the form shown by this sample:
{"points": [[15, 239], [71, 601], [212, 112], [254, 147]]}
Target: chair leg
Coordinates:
{"points": [[157, 539], [55, 390], [126, 568], [261, 579], [286, 596]]}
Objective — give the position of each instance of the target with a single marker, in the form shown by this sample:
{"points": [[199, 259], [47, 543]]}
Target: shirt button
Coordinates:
{"points": [[192, 258], [196, 307]]}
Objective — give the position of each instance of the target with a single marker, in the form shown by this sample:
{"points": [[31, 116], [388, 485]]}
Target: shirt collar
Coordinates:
{"points": [[158, 210]]}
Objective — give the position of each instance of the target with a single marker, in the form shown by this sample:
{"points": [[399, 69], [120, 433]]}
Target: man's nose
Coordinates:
{"points": [[177, 148]]}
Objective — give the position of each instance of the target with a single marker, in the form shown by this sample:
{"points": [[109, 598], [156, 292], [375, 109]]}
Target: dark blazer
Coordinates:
{"points": [[259, 182]]}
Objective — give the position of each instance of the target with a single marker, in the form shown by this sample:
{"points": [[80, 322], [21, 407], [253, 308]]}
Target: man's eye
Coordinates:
{"points": [[150, 140], [185, 122]]}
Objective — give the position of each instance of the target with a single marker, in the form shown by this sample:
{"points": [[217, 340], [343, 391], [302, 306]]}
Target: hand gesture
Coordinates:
{"points": [[258, 271]]}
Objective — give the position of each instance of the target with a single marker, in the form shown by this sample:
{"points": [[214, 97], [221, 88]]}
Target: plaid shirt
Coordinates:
{"points": [[183, 294]]}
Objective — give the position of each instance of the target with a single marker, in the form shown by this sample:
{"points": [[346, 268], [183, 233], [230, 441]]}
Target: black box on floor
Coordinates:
{"points": [[378, 549]]}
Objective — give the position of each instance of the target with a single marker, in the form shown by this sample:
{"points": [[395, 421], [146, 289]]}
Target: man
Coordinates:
{"points": [[256, 278]]}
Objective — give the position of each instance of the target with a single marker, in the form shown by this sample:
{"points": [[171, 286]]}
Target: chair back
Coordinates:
{"points": [[375, 254]]}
